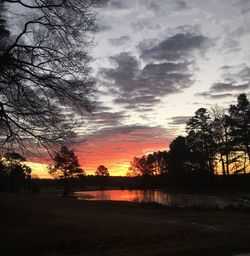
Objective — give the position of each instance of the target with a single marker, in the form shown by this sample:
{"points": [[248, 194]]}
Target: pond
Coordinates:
{"points": [[162, 197]]}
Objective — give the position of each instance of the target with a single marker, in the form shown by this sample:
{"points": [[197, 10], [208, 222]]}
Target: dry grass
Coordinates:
{"points": [[37, 225]]}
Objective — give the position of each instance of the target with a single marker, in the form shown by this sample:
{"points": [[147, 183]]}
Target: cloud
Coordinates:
{"points": [[246, 10], [144, 100], [237, 75], [181, 5], [138, 26], [134, 132], [244, 73], [222, 87], [105, 118], [235, 79], [231, 45], [240, 31], [163, 68], [176, 47], [119, 41], [116, 4], [213, 96], [103, 28], [146, 85], [243, 5], [179, 120], [102, 116]]}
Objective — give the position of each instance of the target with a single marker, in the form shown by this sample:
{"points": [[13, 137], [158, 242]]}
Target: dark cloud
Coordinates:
{"points": [[222, 87], [231, 45], [235, 79], [137, 100], [176, 47], [181, 5], [169, 68], [103, 116], [116, 4], [100, 3], [244, 73], [138, 26], [120, 40], [237, 75], [103, 28], [99, 107], [179, 120], [137, 132], [146, 85], [240, 31], [107, 118], [124, 73], [244, 11], [213, 96], [243, 5], [155, 7]]}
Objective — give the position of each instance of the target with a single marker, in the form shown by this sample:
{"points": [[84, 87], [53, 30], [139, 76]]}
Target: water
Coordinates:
{"points": [[161, 197]]}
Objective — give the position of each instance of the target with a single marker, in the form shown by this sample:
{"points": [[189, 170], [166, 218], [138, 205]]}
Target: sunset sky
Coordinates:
{"points": [[155, 63]]}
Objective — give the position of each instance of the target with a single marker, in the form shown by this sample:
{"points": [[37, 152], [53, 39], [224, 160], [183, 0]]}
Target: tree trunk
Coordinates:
{"points": [[223, 165], [66, 190]]}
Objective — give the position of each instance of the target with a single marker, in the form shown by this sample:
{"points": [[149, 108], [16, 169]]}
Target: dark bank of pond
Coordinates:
{"points": [[166, 198]]}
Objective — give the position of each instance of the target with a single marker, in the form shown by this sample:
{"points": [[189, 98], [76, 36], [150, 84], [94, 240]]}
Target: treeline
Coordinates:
{"points": [[217, 142]]}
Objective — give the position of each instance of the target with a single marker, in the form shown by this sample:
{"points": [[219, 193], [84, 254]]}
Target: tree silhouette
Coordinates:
{"points": [[140, 165], [148, 165], [65, 166], [200, 139], [240, 128], [44, 73], [221, 134], [102, 171], [160, 165], [14, 172], [179, 157]]}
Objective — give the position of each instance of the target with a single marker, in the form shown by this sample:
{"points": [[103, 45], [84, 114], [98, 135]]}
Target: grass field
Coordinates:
{"points": [[39, 225]]}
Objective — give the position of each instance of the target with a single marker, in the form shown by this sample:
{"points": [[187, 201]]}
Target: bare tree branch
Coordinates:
{"points": [[44, 70]]}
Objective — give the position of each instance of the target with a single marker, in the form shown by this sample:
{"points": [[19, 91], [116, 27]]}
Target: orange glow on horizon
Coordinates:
{"points": [[39, 170], [115, 150]]}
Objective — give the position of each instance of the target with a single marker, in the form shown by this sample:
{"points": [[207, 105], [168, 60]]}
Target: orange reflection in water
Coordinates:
{"points": [[160, 197], [156, 196]]}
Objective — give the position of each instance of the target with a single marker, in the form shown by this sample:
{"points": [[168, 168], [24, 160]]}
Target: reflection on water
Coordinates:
{"points": [[158, 196]]}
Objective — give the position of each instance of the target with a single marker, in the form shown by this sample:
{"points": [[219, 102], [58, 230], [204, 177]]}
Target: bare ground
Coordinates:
{"points": [[39, 225]]}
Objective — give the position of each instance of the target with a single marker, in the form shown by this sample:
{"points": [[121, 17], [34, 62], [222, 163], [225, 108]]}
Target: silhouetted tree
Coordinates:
{"points": [[179, 157], [200, 139], [44, 73], [65, 166], [160, 162], [133, 170], [152, 164], [142, 165], [102, 171], [240, 129], [15, 172], [222, 138]]}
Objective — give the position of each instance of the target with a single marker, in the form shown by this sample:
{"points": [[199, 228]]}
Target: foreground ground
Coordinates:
{"points": [[38, 225]]}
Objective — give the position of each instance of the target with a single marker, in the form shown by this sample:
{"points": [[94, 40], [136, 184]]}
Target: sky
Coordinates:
{"points": [[155, 64]]}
